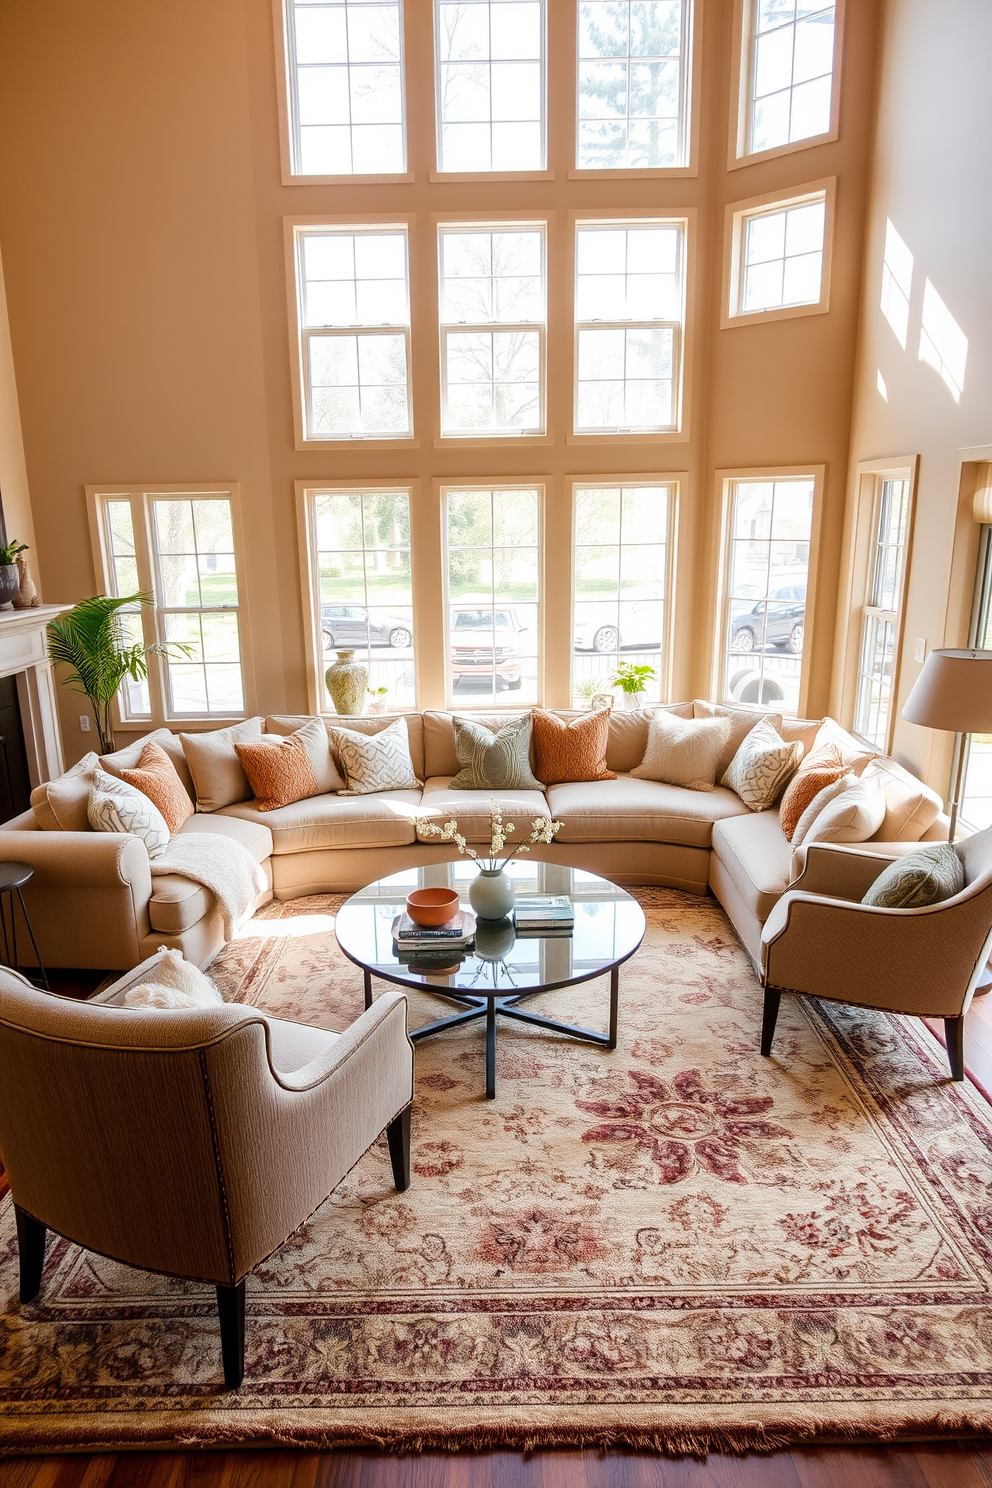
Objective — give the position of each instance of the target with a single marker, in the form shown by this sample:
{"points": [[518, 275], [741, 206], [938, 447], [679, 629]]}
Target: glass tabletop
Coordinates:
{"points": [[609, 926]]}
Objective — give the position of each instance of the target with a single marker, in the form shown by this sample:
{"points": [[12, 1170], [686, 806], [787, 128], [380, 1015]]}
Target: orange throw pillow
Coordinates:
{"points": [[819, 769], [156, 777], [279, 771], [575, 750]]}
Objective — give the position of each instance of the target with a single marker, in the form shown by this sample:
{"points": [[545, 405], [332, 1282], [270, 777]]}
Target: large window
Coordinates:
{"points": [[778, 256], [620, 583], [789, 73], [880, 626], [362, 586], [490, 85], [354, 315], [345, 67], [628, 314], [633, 84], [492, 329], [770, 528], [122, 563], [493, 594]]}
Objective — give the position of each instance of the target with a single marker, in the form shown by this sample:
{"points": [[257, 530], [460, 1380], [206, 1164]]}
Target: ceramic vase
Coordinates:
{"points": [[347, 683], [26, 597], [491, 894], [494, 939], [10, 583], [632, 701]]}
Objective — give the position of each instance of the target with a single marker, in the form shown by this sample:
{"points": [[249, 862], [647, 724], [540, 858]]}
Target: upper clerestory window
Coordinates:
{"points": [[788, 66], [491, 112], [633, 87]]}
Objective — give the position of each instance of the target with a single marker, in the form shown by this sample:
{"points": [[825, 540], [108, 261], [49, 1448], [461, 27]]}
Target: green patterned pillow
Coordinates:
{"points": [[762, 766], [923, 877], [493, 761]]}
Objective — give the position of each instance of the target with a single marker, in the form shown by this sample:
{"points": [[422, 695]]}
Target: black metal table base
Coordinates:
{"points": [[493, 1004], [8, 932]]}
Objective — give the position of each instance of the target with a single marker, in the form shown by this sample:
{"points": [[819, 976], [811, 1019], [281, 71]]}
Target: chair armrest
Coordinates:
{"points": [[839, 871], [381, 1025], [94, 860]]}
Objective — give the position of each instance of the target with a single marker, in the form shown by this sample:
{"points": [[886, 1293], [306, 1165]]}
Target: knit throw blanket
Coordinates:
{"points": [[221, 865]]}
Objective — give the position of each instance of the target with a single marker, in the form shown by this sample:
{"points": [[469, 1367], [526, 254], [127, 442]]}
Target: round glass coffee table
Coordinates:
{"points": [[504, 968]]}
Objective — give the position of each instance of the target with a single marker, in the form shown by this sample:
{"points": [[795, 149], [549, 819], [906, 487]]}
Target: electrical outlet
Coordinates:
{"points": [[84, 723], [920, 654]]}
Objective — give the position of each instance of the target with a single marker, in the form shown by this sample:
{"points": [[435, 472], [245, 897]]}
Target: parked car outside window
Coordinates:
{"points": [[775, 621], [353, 625], [484, 644]]}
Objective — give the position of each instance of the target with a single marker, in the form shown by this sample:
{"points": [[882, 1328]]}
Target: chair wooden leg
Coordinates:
{"points": [[954, 1037], [398, 1137], [31, 1253], [769, 1018], [231, 1306]]}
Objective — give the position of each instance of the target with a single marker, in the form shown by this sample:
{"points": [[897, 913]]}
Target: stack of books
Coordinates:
{"points": [[544, 914], [451, 940]]}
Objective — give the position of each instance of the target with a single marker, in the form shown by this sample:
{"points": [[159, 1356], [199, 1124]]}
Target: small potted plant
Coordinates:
{"points": [[10, 574], [377, 699], [588, 690], [632, 681]]}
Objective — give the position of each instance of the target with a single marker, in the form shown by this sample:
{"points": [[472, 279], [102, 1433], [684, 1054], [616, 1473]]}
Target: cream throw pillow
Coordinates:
{"points": [[853, 816], [375, 762], [115, 806], [174, 983], [822, 798], [742, 721], [763, 766], [683, 751], [910, 806], [215, 767]]}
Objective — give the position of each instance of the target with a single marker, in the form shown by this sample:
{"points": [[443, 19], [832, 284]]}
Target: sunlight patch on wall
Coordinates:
{"points": [[943, 344], [880, 384], [897, 280]]}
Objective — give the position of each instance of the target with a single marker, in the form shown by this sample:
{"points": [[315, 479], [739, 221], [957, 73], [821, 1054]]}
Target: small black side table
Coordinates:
{"points": [[12, 876]]}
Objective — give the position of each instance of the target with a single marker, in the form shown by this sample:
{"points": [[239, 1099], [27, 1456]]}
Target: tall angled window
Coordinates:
{"points": [[354, 313], [345, 67], [628, 314], [197, 603], [493, 317], [620, 583], [789, 73], [492, 593], [778, 257], [767, 565], [881, 618], [122, 561], [490, 85], [633, 90], [361, 580]]}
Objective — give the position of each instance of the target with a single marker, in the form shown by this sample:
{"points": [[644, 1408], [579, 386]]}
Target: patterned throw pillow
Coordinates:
{"points": [[683, 751], [375, 762], [822, 798], [491, 760], [927, 876], [819, 769], [279, 771], [575, 750], [762, 766], [157, 778], [115, 806]]}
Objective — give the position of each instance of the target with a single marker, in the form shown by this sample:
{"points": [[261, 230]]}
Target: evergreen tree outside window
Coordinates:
{"points": [[633, 84]]}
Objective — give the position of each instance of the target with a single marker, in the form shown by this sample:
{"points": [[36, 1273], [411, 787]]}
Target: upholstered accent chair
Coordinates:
{"points": [[191, 1143], [821, 941]]}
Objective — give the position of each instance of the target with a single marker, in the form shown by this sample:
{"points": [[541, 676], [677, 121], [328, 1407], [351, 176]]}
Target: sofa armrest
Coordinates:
{"points": [[94, 860], [840, 871], [379, 1034]]}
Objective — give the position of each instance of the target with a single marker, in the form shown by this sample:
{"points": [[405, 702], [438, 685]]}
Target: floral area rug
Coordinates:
{"points": [[678, 1245]]}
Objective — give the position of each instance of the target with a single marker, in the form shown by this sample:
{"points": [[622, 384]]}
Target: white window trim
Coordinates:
{"points": [[690, 110], [294, 229], [736, 218], [742, 54], [682, 379], [541, 485], [286, 108], [482, 223], [313, 649], [595, 482], [153, 630], [718, 598], [542, 172], [872, 498]]}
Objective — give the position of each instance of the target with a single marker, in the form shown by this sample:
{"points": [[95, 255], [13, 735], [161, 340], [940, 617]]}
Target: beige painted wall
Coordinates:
{"points": [[931, 179], [13, 467], [141, 222]]}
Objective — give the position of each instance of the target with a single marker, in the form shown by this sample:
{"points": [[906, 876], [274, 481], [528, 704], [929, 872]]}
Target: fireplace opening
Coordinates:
{"points": [[15, 782]]}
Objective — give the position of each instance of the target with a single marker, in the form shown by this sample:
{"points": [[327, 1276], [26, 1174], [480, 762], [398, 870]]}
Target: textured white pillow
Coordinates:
{"points": [[375, 762], [762, 766], [822, 798], [174, 983], [854, 816], [683, 751], [115, 806]]}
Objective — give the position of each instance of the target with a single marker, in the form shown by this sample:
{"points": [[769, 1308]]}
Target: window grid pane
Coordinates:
{"points": [[357, 381], [782, 257], [628, 298], [363, 577], [490, 85], [880, 625], [346, 87], [768, 571], [620, 568], [135, 700], [493, 594], [197, 597], [791, 78], [632, 85]]}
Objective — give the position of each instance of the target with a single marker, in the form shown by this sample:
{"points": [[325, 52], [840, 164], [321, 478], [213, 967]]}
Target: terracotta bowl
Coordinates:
{"points": [[432, 906]]}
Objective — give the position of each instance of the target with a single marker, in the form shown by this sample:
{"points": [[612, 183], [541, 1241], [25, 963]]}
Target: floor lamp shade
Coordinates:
{"points": [[953, 692]]}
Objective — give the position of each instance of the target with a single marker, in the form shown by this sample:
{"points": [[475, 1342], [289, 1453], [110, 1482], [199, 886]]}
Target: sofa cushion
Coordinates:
{"points": [[631, 810], [853, 815], [571, 749], [384, 819], [293, 1045], [753, 850], [440, 754], [910, 806], [362, 723], [127, 758], [470, 808], [115, 806], [817, 770], [627, 739], [742, 721], [494, 759], [214, 764], [854, 754], [683, 751], [61, 805], [178, 903], [254, 834], [158, 778], [927, 876], [372, 763], [762, 766]]}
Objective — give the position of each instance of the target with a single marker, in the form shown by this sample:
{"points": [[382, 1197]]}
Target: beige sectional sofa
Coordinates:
{"points": [[94, 903]]}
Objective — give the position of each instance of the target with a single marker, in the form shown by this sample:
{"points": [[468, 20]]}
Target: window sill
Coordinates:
{"points": [[647, 173], [396, 179], [736, 162], [460, 177], [489, 441], [403, 442], [784, 312], [673, 436]]}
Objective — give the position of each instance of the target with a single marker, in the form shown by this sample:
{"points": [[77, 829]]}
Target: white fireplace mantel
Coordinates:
{"points": [[24, 655]]}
